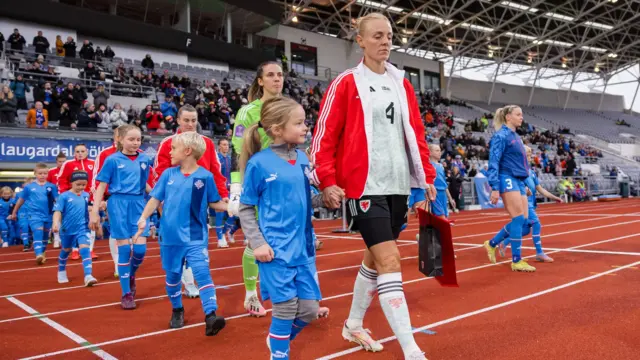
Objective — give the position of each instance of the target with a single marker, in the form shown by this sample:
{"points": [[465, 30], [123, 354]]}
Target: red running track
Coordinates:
{"points": [[583, 306]]}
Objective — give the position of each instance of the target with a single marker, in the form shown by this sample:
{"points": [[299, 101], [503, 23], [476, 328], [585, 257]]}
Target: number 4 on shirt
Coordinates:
{"points": [[390, 112]]}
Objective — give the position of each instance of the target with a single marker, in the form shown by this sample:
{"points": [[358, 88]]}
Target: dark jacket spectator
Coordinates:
{"points": [[1, 42], [20, 89], [108, 53], [70, 48], [8, 105], [41, 43], [66, 118], [49, 98], [87, 117], [16, 41], [87, 52], [73, 99], [147, 62]]}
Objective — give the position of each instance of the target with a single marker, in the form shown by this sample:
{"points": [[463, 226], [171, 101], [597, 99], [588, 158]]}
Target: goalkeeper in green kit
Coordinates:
{"points": [[267, 84]]}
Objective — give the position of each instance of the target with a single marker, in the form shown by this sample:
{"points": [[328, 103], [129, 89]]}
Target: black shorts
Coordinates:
{"points": [[378, 218]]}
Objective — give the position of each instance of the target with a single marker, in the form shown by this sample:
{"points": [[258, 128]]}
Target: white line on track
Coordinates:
{"points": [[160, 332], [63, 330], [489, 308]]}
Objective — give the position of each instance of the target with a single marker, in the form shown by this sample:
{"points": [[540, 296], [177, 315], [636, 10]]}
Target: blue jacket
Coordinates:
{"points": [[506, 157], [225, 166], [169, 109], [19, 89]]}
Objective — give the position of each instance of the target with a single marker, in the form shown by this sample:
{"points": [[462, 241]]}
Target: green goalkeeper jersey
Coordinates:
{"points": [[247, 116]]}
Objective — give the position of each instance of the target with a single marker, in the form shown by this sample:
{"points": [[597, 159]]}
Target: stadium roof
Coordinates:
{"points": [[496, 40]]}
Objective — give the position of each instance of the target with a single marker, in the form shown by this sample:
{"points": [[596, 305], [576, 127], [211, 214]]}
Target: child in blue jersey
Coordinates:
{"points": [[22, 232], [71, 221], [38, 197], [126, 173], [276, 188], [187, 191], [225, 228], [533, 224], [6, 233], [508, 169]]}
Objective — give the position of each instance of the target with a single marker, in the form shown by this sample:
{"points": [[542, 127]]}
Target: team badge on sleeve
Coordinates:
{"points": [[365, 205], [239, 131]]}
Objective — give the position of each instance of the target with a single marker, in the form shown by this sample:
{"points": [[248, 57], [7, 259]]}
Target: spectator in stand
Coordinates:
{"points": [[137, 122], [99, 54], [147, 62], [168, 107], [191, 95], [170, 124], [2, 40], [108, 53], [49, 98], [90, 72], [59, 46], [70, 48], [100, 95], [118, 116], [455, 186], [66, 118], [20, 89], [132, 113], [143, 114], [86, 52], [8, 106], [73, 100], [38, 117], [103, 118], [82, 92], [41, 44], [87, 119], [153, 118], [16, 41]]}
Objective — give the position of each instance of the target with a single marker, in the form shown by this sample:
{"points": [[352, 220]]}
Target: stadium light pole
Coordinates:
{"points": [[606, 82], [493, 83], [634, 96], [533, 86], [566, 101], [453, 66]]}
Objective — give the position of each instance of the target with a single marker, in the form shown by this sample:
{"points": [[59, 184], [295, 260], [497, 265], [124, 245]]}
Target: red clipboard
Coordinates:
{"points": [[433, 228]]}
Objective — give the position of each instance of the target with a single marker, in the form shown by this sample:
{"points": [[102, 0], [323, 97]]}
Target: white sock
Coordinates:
{"points": [[113, 248], [92, 240], [396, 310], [75, 249], [187, 277], [56, 237], [249, 294], [363, 292]]}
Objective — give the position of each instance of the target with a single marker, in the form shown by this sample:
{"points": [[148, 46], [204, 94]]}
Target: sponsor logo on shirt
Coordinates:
{"points": [[385, 88], [198, 184], [170, 182], [271, 178], [371, 89], [365, 205], [121, 166], [70, 200]]}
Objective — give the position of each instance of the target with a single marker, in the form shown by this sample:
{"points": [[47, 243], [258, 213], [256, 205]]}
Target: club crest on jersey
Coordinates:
{"points": [[365, 205], [143, 166], [198, 184], [90, 167]]}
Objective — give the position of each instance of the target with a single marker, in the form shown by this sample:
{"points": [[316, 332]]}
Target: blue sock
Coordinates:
{"points": [[231, 225], [502, 235], [202, 276], [124, 267], [279, 338], [38, 245], [537, 242], [24, 236], [526, 228], [174, 289], [85, 255], [220, 225], [138, 255], [62, 259], [298, 325], [516, 237]]}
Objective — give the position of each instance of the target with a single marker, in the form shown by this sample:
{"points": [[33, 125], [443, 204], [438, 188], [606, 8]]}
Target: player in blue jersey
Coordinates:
{"points": [[6, 235], [22, 232], [71, 221], [508, 169], [225, 229], [187, 192], [126, 172], [38, 197], [277, 190], [533, 223]]}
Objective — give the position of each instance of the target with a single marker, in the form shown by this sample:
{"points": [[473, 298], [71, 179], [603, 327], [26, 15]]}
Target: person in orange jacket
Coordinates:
{"points": [[38, 117]]}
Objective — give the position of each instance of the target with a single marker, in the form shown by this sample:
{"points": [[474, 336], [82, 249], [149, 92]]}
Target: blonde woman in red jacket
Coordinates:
{"points": [[370, 143]]}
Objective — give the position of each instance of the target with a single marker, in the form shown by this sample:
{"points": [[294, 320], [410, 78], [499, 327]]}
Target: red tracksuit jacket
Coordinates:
{"points": [[340, 145], [69, 167]]}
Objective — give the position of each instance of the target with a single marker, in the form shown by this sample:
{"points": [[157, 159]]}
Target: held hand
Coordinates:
{"points": [[55, 227], [12, 217], [221, 206], [559, 199], [332, 196], [225, 200], [263, 253], [495, 196], [430, 192], [529, 192], [142, 224], [421, 205], [94, 221]]}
